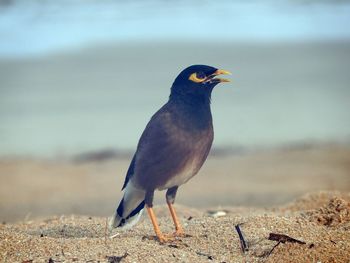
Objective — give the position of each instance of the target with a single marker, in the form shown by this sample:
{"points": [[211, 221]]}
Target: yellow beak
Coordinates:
{"points": [[222, 72], [193, 77]]}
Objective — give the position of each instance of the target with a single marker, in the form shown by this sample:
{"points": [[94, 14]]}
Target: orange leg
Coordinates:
{"points": [[153, 218], [178, 228]]}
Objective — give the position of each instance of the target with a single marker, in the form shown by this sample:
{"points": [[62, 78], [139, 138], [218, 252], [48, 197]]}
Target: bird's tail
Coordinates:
{"points": [[130, 208]]}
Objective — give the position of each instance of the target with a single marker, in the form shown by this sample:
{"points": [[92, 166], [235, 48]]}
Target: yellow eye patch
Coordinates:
{"points": [[196, 79]]}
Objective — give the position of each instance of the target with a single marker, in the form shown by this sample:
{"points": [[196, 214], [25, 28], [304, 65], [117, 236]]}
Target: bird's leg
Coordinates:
{"points": [[170, 199], [153, 218], [178, 228], [149, 206]]}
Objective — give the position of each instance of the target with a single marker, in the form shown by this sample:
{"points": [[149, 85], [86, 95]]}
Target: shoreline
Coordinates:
{"points": [[102, 96], [39, 187], [113, 153]]}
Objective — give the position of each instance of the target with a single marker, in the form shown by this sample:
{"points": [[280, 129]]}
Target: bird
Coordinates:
{"points": [[171, 149]]}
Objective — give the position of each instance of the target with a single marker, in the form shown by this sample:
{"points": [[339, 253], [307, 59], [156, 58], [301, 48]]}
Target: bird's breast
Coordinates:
{"points": [[172, 149], [196, 148], [188, 171]]}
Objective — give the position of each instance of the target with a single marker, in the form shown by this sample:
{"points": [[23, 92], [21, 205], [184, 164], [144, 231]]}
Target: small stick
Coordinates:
{"points": [[284, 238], [268, 254], [115, 235], [280, 238], [244, 246]]}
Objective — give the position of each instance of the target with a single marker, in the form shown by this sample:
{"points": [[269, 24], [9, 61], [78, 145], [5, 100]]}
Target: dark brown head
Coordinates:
{"points": [[197, 82]]}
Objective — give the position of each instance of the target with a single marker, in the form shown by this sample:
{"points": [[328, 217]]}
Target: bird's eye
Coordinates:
{"points": [[197, 77], [201, 75]]}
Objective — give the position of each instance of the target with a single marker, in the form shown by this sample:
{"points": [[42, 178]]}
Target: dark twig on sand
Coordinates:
{"points": [[284, 238], [270, 252], [244, 245], [280, 238]]}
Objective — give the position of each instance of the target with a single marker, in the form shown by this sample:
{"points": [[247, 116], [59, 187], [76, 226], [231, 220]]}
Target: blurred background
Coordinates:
{"points": [[79, 81]]}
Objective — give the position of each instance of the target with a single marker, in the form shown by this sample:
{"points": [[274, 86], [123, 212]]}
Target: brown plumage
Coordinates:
{"points": [[172, 148], [175, 146]]}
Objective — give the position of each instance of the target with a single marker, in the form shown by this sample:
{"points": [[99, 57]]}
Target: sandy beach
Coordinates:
{"points": [[79, 81], [58, 209], [316, 227], [54, 200]]}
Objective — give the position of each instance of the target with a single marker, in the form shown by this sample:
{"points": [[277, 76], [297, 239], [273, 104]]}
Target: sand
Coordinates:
{"points": [[57, 209], [323, 226]]}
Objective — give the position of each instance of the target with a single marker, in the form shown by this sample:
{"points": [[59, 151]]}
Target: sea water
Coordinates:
{"points": [[82, 76]]}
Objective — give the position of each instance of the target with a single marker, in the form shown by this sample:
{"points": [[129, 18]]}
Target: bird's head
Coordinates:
{"points": [[197, 81]]}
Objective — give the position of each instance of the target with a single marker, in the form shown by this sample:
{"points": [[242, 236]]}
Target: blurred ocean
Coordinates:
{"points": [[29, 27], [87, 75]]}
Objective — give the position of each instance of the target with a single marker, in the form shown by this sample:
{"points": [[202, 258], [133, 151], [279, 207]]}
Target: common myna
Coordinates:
{"points": [[172, 148]]}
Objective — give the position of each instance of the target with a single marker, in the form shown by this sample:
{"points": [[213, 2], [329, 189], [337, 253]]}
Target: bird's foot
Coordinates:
{"points": [[166, 239], [162, 239], [173, 241], [180, 233], [176, 236]]}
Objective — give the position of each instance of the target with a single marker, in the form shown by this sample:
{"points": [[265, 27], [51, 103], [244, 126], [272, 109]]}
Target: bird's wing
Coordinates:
{"points": [[144, 137], [130, 172], [149, 130], [165, 148]]}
